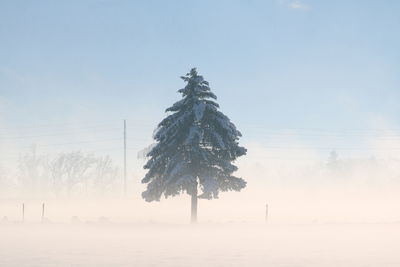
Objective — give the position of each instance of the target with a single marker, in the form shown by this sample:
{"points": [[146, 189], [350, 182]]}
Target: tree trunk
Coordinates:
{"points": [[194, 205]]}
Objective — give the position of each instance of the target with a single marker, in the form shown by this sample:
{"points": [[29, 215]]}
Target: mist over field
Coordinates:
{"points": [[311, 190]]}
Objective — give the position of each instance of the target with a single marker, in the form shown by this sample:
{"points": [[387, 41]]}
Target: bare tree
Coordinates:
{"points": [[66, 173], [104, 174], [76, 167], [31, 174], [56, 168], [70, 170]]}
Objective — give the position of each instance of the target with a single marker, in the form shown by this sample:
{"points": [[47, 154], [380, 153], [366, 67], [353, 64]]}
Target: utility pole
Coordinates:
{"points": [[125, 185]]}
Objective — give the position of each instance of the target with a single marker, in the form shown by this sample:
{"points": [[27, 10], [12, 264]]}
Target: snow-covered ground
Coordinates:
{"points": [[231, 244]]}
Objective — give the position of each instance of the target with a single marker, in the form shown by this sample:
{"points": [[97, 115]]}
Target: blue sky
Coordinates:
{"points": [[277, 64]]}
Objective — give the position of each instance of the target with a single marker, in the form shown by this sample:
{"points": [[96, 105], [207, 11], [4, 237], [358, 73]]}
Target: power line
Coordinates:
{"points": [[38, 126], [85, 124], [272, 133], [320, 129], [329, 148], [75, 143], [91, 124], [17, 156], [55, 134], [64, 133]]}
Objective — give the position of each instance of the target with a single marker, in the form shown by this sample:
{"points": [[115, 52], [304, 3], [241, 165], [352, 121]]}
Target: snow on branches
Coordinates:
{"points": [[195, 147]]}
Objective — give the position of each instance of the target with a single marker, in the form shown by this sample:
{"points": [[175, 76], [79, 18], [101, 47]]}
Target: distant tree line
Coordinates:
{"points": [[65, 174]]}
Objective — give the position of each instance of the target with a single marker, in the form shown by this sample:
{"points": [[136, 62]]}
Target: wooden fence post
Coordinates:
{"points": [[43, 212]]}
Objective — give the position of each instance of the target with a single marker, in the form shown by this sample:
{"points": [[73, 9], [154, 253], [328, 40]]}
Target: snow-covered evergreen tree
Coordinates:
{"points": [[195, 147]]}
